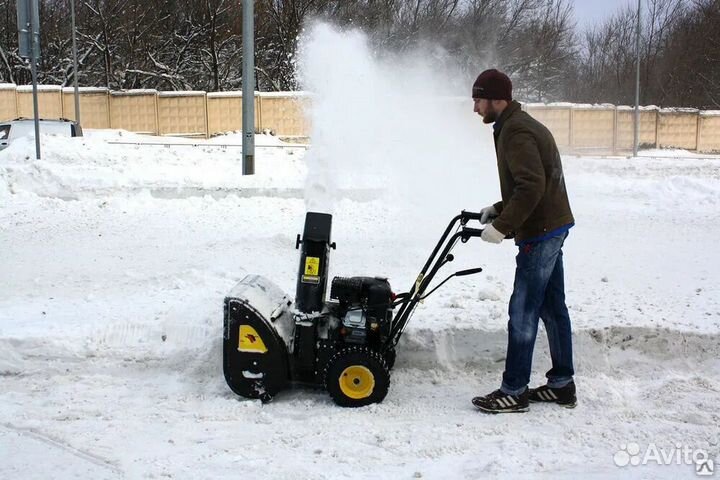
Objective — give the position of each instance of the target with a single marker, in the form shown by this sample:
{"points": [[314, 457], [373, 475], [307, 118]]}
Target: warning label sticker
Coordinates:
{"points": [[312, 266]]}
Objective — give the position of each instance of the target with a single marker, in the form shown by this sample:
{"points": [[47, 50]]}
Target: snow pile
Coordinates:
{"points": [[668, 185], [116, 162]]}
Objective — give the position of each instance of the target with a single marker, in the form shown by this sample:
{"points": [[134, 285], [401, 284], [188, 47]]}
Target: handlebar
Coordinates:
{"points": [[467, 216], [439, 257], [466, 233]]}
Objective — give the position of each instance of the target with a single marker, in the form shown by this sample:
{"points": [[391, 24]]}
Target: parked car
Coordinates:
{"points": [[20, 127]]}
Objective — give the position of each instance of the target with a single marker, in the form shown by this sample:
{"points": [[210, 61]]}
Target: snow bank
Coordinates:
{"points": [[91, 166]]}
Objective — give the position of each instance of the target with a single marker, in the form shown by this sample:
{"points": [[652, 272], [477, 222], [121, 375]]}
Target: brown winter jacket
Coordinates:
{"points": [[532, 184]]}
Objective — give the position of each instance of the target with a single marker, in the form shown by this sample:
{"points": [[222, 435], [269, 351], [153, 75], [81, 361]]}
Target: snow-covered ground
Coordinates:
{"points": [[116, 258], [111, 320]]}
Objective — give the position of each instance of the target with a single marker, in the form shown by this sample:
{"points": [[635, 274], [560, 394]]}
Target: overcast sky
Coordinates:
{"points": [[588, 12]]}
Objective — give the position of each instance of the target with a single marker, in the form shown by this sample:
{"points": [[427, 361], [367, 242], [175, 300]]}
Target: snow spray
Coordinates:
{"points": [[399, 123]]}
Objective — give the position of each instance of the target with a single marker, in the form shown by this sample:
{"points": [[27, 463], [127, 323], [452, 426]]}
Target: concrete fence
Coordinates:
{"points": [[609, 129], [94, 106], [596, 129], [49, 101]]}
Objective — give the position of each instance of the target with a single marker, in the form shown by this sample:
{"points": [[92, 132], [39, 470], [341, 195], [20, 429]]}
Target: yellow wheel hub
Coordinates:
{"points": [[357, 382]]}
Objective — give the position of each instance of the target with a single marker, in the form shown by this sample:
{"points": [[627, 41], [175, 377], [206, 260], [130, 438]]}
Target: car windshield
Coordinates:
{"points": [[47, 127], [4, 131]]}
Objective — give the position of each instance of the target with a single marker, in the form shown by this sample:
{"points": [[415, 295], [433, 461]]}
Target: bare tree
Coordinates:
{"points": [[196, 44], [688, 67]]}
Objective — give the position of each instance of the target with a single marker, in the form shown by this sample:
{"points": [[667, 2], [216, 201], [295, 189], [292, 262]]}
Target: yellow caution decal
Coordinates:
{"points": [[312, 270], [312, 266], [250, 341]]}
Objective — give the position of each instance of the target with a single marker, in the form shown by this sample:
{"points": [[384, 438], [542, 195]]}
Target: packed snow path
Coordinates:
{"points": [[151, 418], [111, 320]]}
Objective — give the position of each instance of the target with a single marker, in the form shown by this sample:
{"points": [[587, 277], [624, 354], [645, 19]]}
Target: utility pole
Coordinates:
{"points": [[636, 133], [248, 88], [28, 21], [75, 66]]}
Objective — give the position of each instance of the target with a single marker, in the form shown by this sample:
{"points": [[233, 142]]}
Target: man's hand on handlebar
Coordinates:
{"points": [[491, 234], [487, 214]]}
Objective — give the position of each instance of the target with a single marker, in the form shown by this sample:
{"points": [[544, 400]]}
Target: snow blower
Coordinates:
{"points": [[345, 344]]}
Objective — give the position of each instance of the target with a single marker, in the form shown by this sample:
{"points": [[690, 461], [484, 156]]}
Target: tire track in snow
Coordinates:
{"points": [[65, 446]]}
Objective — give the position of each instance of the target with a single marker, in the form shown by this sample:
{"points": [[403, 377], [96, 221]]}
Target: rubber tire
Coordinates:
{"points": [[390, 357], [350, 356]]}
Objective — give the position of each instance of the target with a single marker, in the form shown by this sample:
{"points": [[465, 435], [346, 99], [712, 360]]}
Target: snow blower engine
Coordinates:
{"points": [[345, 344]]}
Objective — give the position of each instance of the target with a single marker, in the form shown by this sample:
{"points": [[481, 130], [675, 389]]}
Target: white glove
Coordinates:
{"points": [[487, 213], [492, 235]]}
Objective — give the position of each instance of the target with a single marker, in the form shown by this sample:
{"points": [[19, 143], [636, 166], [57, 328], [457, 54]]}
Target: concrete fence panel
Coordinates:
{"points": [[678, 128], [284, 113], [134, 110], [593, 128], [8, 101], [182, 113], [94, 106], [601, 129], [224, 112], [626, 127], [556, 117], [49, 101], [709, 132]]}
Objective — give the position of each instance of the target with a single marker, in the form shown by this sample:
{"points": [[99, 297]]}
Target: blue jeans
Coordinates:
{"points": [[539, 292]]}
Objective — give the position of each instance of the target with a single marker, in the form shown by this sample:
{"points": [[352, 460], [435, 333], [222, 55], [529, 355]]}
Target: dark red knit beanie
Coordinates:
{"points": [[492, 85]]}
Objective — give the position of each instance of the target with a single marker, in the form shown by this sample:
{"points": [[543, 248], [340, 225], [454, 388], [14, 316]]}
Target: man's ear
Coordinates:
{"points": [[500, 104]]}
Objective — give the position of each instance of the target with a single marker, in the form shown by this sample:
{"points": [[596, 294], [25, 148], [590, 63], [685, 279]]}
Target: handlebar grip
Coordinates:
{"points": [[466, 233], [466, 216], [472, 232], [470, 271]]}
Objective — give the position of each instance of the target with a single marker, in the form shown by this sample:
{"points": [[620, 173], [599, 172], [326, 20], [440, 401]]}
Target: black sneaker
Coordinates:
{"points": [[564, 396], [499, 402]]}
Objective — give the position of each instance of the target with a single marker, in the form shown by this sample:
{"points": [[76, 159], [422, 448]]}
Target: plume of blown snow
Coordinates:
{"points": [[400, 124]]}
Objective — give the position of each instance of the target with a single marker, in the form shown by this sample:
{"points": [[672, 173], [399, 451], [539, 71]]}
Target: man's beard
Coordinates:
{"points": [[490, 116]]}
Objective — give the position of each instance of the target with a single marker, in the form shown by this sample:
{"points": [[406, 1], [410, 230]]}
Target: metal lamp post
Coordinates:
{"points": [[636, 133], [28, 21], [75, 65], [248, 89]]}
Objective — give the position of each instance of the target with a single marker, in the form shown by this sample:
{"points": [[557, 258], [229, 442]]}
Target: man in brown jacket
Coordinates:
{"points": [[535, 211]]}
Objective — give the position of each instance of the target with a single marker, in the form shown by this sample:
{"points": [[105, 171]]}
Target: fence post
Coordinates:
{"points": [[615, 131], [572, 130], [157, 114], [207, 123]]}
